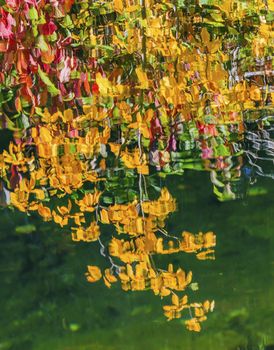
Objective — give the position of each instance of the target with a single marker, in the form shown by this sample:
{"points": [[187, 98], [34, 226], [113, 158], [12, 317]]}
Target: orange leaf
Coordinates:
{"points": [[93, 274]]}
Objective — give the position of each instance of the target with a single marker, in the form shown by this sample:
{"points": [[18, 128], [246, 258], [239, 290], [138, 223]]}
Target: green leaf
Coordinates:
{"points": [[108, 200], [39, 111], [8, 124], [25, 229], [218, 194], [215, 24], [87, 100], [232, 31], [69, 97], [42, 44], [53, 37], [67, 22], [217, 17], [106, 47], [33, 14], [222, 150], [35, 30], [181, 3], [50, 86], [257, 191], [41, 19]]}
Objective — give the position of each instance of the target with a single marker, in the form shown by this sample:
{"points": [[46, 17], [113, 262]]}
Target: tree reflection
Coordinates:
{"points": [[68, 180], [106, 97]]}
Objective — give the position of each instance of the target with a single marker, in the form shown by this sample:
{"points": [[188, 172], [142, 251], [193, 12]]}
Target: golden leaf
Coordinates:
{"points": [[104, 216], [109, 278], [193, 325], [118, 6], [45, 135], [199, 312], [105, 87], [68, 115], [44, 212], [175, 299], [142, 77], [94, 274], [164, 292], [205, 36], [208, 254]]}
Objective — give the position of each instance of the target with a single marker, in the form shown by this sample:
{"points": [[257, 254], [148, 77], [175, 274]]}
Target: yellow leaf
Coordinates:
{"points": [[199, 312], [93, 274], [109, 278], [104, 216], [193, 325], [175, 299], [184, 300], [118, 6], [68, 115], [142, 77], [255, 93], [209, 240], [44, 134], [206, 305], [39, 193], [105, 87], [208, 254], [143, 169], [44, 212], [205, 36], [170, 268], [164, 292]]}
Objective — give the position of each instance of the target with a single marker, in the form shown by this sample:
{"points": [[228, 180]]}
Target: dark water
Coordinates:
{"points": [[47, 303]]}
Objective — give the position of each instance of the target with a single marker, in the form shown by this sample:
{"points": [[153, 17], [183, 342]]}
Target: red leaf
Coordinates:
{"points": [[95, 89], [48, 28]]}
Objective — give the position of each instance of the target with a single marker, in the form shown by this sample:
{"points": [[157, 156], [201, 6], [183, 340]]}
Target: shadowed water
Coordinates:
{"points": [[48, 303]]}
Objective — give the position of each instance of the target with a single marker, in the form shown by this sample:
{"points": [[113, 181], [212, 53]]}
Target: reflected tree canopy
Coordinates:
{"points": [[107, 98]]}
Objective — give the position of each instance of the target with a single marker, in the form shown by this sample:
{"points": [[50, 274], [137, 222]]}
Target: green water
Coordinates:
{"points": [[46, 302]]}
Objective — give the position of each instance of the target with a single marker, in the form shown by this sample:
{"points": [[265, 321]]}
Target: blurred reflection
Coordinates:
{"points": [[80, 181], [106, 98]]}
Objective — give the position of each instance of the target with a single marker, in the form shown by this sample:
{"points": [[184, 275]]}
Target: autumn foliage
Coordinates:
{"points": [[100, 96]]}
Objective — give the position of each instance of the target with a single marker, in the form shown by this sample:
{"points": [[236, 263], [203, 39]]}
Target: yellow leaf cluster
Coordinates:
{"points": [[133, 160], [89, 234], [89, 201], [162, 206]]}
